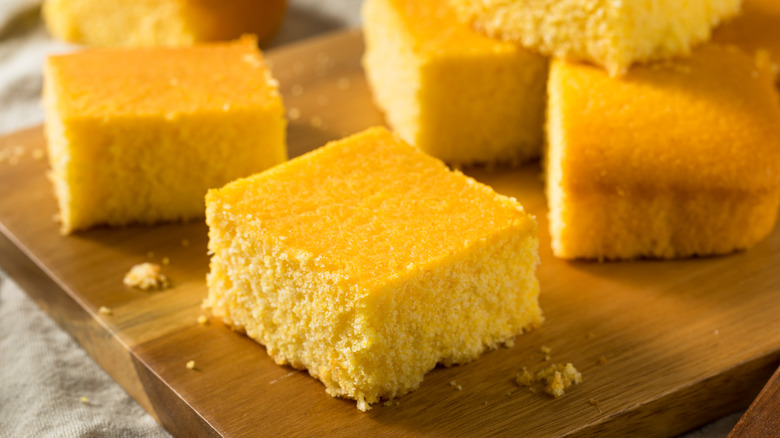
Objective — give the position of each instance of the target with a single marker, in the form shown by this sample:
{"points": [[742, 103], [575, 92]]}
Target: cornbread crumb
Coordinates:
{"points": [[546, 351], [294, 113], [191, 365], [602, 360], [166, 261], [84, 400], [595, 403], [455, 385], [203, 320], [104, 310], [525, 378], [556, 378], [559, 378], [146, 276]]}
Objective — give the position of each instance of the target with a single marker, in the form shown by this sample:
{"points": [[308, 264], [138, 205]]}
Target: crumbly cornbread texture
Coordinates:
{"points": [[140, 135], [368, 262], [146, 276], [672, 160], [554, 379], [455, 94], [756, 30], [612, 34], [160, 22]]}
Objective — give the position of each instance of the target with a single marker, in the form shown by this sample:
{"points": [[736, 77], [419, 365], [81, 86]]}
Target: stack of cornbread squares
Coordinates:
{"points": [[325, 260], [658, 143], [366, 262]]}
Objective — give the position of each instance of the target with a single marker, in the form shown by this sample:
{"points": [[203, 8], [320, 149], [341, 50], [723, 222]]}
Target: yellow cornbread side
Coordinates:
{"points": [[455, 94], [161, 22], [671, 160], [756, 30], [368, 262], [611, 34], [140, 135]]}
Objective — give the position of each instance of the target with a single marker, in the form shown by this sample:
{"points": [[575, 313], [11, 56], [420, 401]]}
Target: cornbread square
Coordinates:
{"points": [[368, 262], [140, 135], [612, 34], [455, 94], [671, 160], [161, 22], [756, 30]]}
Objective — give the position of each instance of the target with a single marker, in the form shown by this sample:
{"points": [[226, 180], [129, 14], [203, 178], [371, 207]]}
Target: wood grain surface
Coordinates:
{"points": [[663, 346]]}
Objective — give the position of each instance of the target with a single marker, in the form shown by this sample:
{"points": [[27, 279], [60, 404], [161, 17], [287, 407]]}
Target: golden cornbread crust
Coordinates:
{"points": [[457, 95], [160, 22], [367, 263], [612, 34], [672, 160], [140, 135]]}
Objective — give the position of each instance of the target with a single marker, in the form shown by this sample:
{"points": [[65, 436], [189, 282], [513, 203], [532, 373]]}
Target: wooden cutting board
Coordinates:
{"points": [[663, 346]]}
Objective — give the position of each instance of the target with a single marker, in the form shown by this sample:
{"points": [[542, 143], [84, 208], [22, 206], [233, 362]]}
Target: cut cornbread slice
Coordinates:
{"points": [[455, 94], [140, 135], [671, 160], [161, 22], [613, 34], [368, 262], [756, 30]]}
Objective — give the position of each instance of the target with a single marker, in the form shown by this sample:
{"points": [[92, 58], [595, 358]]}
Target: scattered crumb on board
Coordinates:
{"points": [[555, 379], [146, 276]]}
